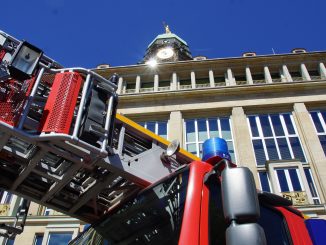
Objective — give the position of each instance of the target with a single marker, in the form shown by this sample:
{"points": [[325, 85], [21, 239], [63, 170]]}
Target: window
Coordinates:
{"points": [[274, 137], [38, 239], [319, 119], [5, 197], [10, 241], [311, 184], [274, 225], [264, 181], [198, 130], [153, 217], [59, 238], [158, 127], [47, 211], [289, 179], [293, 181]]}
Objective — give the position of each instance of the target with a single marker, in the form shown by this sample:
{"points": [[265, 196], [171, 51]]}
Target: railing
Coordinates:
{"points": [[241, 82], [166, 88], [297, 79], [315, 77], [203, 85], [130, 91], [220, 84], [187, 86], [4, 209], [143, 90], [277, 80], [298, 198], [259, 81]]}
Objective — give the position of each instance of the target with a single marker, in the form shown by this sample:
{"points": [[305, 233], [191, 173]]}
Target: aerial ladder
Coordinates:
{"points": [[62, 144]]}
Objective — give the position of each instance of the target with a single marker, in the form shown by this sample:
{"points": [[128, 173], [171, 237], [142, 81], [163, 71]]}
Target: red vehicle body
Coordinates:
{"points": [[282, 224], [197, 206]]}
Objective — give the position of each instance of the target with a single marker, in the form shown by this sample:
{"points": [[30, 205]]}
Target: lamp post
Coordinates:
{"points": [[24, 61]]}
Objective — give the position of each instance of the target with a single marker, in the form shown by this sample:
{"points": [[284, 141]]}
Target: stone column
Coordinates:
{"points": [[124, 86], [268, 77], [193, 79], [120, 85], [176, 127], [312, 146], [230, 78], [242, 142], [174, 81], [137, 84], [304, 73], [156, 83], [322, 70], [286, 73], [211, 78], [248, 76]]}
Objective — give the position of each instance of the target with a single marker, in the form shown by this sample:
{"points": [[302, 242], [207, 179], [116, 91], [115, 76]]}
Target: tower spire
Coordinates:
{"points": [[167, 28]]}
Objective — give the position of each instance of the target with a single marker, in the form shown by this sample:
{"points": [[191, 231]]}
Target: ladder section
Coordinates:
{"points": [[78, 183], [63, 146]]}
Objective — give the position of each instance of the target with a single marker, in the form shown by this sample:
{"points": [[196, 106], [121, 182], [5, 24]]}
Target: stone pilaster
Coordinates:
{"points": [[242, 142], [314, 150], [176, 127]]}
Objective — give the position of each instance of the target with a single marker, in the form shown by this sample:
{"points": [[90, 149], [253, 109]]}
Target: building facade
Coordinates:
{"points": [[271, 110]]}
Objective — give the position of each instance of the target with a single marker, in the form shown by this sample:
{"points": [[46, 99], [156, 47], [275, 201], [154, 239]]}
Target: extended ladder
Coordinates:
{"points": [[62, 145]]}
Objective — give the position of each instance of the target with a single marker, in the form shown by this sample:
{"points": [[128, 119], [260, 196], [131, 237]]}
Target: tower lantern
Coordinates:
{"points": [[167, 47]]}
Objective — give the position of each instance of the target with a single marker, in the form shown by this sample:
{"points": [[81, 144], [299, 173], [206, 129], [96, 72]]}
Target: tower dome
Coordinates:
{"points": [[167, 47]]}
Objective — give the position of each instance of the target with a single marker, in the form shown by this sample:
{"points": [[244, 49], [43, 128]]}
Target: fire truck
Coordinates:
{"points": [[64, 146]]}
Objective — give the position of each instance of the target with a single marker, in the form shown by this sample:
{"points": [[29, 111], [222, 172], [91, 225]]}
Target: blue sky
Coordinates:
{"points": [[88, 33]]}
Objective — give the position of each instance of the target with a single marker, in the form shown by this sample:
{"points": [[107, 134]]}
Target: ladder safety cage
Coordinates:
{"points": [[63, 146]]}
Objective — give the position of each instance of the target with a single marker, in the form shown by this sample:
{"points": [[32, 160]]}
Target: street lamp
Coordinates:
{"points": [[24, 61]]}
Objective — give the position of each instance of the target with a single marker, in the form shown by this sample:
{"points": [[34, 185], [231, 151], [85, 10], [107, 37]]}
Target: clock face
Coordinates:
{"points": [[165, 53]]}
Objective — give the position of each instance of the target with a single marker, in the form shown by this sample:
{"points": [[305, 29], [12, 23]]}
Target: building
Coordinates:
{"points": [[271, 109]]}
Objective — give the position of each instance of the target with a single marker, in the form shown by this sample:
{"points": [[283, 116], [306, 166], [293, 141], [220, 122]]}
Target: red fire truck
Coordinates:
{"points": [[63, 146]]}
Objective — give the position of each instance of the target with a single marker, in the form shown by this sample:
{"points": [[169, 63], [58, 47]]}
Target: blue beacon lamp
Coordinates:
{"points": [[214, 150]]}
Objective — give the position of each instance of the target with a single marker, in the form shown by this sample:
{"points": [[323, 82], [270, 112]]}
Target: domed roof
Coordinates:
{"points": [[168, 36]]}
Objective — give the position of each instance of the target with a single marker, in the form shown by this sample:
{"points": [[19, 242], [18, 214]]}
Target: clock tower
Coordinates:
{"points": [[167, 47]]}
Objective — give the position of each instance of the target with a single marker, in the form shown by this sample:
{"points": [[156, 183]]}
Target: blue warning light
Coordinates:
{"points": [[214, 150]]}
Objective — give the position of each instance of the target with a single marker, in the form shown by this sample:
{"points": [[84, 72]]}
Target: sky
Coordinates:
{"points": [[88, 33]]}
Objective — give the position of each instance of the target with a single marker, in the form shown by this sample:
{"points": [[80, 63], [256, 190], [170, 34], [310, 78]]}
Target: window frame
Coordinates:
{"points": [[198, 142], [275, 184], [6, 197], [36, 235], [323, 124], [74, 230], [274, 137], [144, 124]]}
